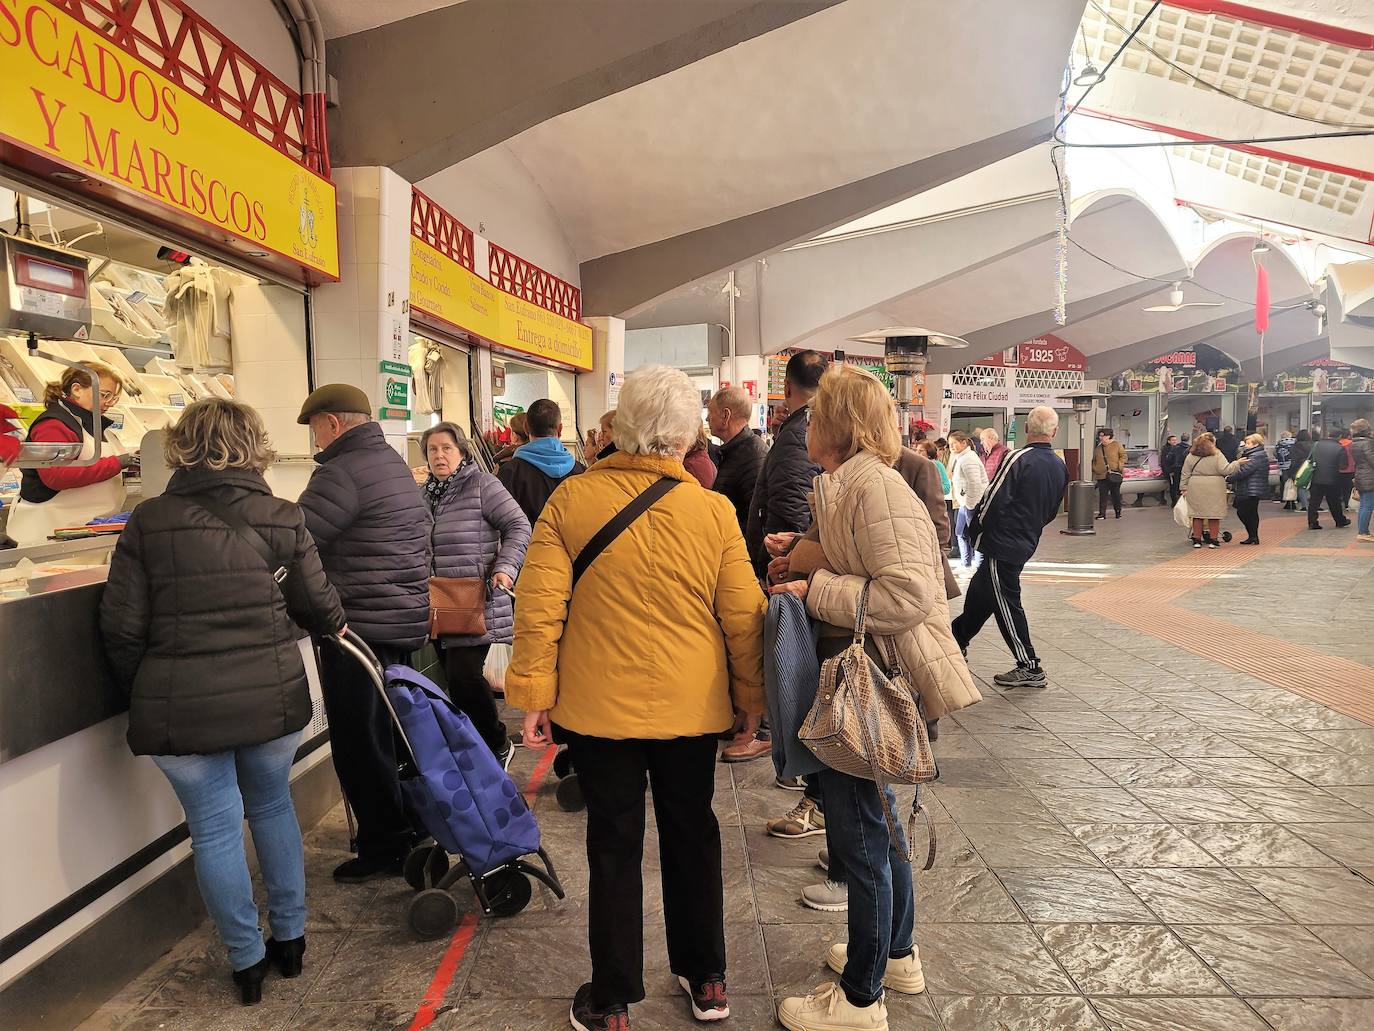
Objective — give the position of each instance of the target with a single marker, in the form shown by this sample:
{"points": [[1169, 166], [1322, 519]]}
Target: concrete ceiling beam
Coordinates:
{"points": [[1284, 359], [624, 283], [424, 93]]}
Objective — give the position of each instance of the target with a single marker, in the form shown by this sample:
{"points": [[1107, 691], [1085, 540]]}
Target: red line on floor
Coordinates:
{"points": [[467, 929]]}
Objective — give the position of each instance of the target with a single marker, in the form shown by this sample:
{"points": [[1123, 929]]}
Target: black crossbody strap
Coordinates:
{"points": [[247, 534], [618, 524]]}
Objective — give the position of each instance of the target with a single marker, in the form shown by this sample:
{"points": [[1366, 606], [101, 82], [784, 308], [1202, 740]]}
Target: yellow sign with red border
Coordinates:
{"points": [[444, 289], [71, 95]]}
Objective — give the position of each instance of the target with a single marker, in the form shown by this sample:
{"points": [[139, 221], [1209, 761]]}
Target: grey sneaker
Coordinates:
{"points": [[823, 859], [1021, 676], [828, 897]]}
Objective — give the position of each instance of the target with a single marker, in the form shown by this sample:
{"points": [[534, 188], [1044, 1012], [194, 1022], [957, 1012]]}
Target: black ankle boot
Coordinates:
{"points": [[250, 981], [287, 956]]}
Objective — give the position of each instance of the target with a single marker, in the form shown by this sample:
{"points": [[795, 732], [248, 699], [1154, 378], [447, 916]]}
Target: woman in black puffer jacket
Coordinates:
{"points": [[479, 531], [1249, 478], [206, 640]]}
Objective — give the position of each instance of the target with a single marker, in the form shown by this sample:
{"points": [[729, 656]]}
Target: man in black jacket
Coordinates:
{"points": [[779, 504], [1228, 443], [1171, 461], [537, 468], [741, 453], [1327, 456], [372, 529], [1023, 498]]}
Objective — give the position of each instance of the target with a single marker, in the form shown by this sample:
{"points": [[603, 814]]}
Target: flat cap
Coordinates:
{"points": [[335, 398]]}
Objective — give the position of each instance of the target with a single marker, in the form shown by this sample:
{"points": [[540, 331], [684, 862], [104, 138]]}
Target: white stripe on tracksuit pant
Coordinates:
{"points": [[995, 590]]}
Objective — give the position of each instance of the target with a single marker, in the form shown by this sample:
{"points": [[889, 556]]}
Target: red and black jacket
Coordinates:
{"points": [[64, 424]]}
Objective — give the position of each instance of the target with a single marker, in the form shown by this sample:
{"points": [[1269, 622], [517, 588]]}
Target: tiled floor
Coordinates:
{"points": [[1156, 841]]}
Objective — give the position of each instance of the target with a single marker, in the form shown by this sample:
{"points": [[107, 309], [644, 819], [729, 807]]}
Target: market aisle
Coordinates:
{"points": [[1157, 839]]}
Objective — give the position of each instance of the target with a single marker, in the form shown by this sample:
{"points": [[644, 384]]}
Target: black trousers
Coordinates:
{"points": [[1108, 490], [1331, 494], [363, 743], [682, 775], [1248, 511], [1175, 485], [468, 688], [1347, 487], [995, 590]]}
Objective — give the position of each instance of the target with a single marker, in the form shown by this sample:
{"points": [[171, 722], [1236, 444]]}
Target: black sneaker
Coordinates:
{"points": [[507, 757], [1021, 676], [709, 1000], [361, 869], [586, 1017]]}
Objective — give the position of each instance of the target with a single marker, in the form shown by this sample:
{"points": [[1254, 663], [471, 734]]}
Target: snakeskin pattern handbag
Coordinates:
{"points": [[866, 722]]}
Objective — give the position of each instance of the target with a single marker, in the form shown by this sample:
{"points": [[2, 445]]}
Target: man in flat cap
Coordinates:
{"points": [[372, 528]]}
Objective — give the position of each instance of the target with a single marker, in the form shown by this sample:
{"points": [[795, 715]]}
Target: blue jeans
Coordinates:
{"points": [[1366, 511], [882, 908], [217, 791], [967, 555]]}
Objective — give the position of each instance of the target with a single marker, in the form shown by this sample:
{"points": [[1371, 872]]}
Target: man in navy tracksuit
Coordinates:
{"points": [[1023, 498]]}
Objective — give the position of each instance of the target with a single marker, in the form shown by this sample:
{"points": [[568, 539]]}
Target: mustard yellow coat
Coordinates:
{"points": [[665, 636]]}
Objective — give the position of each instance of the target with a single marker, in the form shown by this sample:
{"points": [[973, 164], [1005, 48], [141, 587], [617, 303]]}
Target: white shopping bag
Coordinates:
{"points": [[498, 658], [1181, 514]]}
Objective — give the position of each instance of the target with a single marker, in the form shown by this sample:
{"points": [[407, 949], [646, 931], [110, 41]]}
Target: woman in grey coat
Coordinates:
{"points": [[479, 531]]}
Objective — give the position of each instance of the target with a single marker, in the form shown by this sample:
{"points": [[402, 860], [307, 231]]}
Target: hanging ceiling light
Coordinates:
{"points": [[1089, 76], [1261, 247]]}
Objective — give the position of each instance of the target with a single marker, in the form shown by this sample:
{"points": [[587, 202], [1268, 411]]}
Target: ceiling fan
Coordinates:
{"points": [[1176, 302]]}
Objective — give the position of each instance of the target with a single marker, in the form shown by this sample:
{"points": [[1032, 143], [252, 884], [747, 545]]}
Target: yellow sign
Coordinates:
{"points": [[71, 95], [441, 287]]}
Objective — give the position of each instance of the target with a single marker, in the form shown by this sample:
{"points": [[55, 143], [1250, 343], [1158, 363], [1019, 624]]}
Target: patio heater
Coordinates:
{"points": [[1082, 491], [906, 350]]}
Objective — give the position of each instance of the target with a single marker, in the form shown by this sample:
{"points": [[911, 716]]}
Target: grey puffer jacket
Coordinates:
{"points": [[373, 531], [1362, 447], [1249, 474], [479, 531]]}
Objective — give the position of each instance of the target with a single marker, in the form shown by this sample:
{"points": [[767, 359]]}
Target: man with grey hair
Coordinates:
{"points": [[741, 452], [1022, 499], [372, 528]]}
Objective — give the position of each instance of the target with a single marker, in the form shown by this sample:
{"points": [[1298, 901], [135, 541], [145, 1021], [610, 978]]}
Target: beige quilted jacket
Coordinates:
{"points": [[874, 528]]}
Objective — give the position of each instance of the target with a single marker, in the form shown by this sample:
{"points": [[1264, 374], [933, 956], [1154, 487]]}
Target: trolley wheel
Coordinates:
{"points": [[1225, 536], [569, 795], [425, 866], [562, 765], [508, 892], [433, 914]]}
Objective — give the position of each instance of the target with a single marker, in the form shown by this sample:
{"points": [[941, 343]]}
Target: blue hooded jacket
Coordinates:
{"points": [[548, 455]]}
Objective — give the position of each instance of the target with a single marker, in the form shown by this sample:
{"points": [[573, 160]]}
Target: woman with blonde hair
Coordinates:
{"points": [[1204, 485], [875, 535], [206, 590], [50, 499], [642, 656], [1249, 478]]}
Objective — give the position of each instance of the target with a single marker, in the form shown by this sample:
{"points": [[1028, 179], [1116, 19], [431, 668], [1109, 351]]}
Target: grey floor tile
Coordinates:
{"points": [[796, 954], [1330, 769], [673, 1014], [1255, 844], [1348, 843], [363, 1016], [1189, 743], [1276, 961], [1161, 772], [1067, 895], [1317, 1014], [266, 1016], [1316, 896], [1352, 742], [967, 894], [1095, 805], [778, 896], [1354, 943], [1122, 745], [1201, 896], [1306, 805], [1016, 1013], [1141, 844], [993, 805], [1249, 772], [384, 966], [1129, 959], [988, 959], [1197, 805], [1027, 746], [1056, 773], [1178, 1015], [201, 978], [1006, 846]]}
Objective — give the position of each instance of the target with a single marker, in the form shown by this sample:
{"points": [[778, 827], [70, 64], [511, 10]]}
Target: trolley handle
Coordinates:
{"points": [[358, 648]]}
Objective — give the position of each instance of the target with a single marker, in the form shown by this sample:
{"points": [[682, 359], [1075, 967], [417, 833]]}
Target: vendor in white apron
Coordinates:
{"points": [[50, 499]]}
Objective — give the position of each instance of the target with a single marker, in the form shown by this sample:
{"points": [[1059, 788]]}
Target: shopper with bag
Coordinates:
{"points": [[639, 634], [969, 483], [878, 545], [1327, 459], [480, 536], [1109, 469], [1297, 458], [1204, 488], [1362, 447]]}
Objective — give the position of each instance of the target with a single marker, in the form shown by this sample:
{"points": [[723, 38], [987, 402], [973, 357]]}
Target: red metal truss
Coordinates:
{"points": [[196, 56], [440, 230], [517, 276]]}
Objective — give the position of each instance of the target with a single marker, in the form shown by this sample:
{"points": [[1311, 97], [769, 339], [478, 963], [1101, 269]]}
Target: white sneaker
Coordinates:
{"points": [[828, 897], [826, 1009], [902, 975]]}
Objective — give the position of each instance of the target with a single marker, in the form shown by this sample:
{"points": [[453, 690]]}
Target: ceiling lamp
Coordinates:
{"points": [[1177, 303], [1089, 76], [1261, 247]]}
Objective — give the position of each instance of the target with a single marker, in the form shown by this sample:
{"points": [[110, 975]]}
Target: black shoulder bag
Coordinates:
{"points": [[247, 534], [618, 524]]}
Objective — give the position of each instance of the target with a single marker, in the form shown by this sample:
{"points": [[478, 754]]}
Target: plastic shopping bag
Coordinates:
{"points": [[1290, 490], [1181, 515], [498, 659]]}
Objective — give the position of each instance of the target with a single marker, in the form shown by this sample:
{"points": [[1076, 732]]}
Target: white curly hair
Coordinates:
{"points": [[659, 412]]}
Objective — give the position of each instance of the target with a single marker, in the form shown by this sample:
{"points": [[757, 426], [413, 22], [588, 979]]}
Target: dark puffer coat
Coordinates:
{"points": [[1362, 447], [780, 496], [480, 531], [373, 531], [197, 630], [1249, 474], [737, 471]]}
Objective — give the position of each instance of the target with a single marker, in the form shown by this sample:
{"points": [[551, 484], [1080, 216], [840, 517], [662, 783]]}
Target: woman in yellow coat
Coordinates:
{"points": [[641, 669]]}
